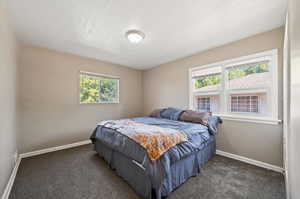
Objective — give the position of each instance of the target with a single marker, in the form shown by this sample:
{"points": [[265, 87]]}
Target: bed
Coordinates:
{"points": [[153, 175]]}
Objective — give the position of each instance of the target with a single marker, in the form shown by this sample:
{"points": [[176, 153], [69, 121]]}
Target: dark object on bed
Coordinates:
{"points": [[155, 179], [195, 116]]}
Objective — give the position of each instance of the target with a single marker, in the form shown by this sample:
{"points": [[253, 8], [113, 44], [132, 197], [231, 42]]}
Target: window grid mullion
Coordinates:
{"points": [[99, 90], [223, 95], [250, 104]]}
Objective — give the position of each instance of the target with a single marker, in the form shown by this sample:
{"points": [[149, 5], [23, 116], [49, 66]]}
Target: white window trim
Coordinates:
{"points": [[252, 119], [272, 55], [99, 75]]}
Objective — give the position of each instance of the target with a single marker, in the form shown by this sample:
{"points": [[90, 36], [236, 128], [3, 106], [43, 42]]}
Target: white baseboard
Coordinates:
{"points": [[11, 179], [52, 149], [251, 161]]}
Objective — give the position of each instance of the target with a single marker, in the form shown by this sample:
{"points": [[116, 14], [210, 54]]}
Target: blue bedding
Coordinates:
{"points": [[159, 170]]}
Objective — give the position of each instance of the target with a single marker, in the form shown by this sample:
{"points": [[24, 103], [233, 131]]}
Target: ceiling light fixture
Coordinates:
{"points": [[135, 36]]}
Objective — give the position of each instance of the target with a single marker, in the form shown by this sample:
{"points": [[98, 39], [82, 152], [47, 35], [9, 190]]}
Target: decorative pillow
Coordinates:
{"points": [[195, 117], [156, 113], [171, 113]]}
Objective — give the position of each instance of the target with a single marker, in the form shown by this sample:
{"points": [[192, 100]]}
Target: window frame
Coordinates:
{"points": [[103, 76], [225, 92]]}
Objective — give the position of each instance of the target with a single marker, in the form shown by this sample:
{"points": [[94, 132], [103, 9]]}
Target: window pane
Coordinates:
{"points": [[203, 104], [207, 79], [98, 89], [108, 90], [208, 83], [246, 104], [256, 75], [89, 88], [207, 103]]}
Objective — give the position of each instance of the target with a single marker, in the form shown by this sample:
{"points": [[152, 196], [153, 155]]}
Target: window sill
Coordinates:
{"points": [[252, 119]]}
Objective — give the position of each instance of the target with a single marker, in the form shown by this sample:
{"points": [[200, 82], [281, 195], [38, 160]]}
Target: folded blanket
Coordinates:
{"points": [[156, 140]]}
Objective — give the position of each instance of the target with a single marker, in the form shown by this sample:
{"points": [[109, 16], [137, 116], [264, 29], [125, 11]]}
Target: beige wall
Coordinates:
{"points": [[167, 85], [50, 113], [8, 67], [294, 127]]}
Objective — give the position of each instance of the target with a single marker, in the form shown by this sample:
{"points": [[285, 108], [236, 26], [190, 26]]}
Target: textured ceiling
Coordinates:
{"points": [[173, 28]]}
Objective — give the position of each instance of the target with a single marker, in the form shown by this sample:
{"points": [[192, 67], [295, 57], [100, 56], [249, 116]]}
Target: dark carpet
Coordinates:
{"points": [[80, 173]]}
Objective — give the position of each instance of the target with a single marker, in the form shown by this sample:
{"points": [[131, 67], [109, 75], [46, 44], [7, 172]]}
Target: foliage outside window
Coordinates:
{"points": [[98, 88], [246, 86], [208, 80], [248, 69]]}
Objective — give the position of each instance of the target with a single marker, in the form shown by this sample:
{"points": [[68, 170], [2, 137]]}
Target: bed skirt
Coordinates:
{"points": [[134, 174]]}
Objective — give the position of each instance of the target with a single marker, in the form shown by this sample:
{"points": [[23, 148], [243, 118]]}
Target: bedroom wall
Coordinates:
{"points": [[294, 125], [167, 85], [8, 108], [50, 113]]}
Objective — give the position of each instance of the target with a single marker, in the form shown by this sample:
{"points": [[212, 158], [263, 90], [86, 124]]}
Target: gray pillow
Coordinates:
{"points": [[156, 113], [195, 117], [171, 113]]}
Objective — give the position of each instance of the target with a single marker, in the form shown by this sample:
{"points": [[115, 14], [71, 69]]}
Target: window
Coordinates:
{"points": [[244, 87], [245, 104], [208, 103], [97, 88], [204, 104], [207, 79], [207, 84]]}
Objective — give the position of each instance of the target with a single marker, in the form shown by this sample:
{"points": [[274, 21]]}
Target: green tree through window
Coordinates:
{"points": [[207, 81], [108, 88], [242, 71], [94, 89]]}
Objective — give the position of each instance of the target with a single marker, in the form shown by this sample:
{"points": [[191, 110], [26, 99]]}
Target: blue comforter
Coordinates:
{"points": [[197, 134]]}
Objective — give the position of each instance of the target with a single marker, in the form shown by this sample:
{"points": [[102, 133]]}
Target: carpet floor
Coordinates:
{"points": [[79, 173]]}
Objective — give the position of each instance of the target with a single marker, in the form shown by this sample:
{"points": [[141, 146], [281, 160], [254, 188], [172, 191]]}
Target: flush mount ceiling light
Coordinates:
{"points": [[135, 36]]}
